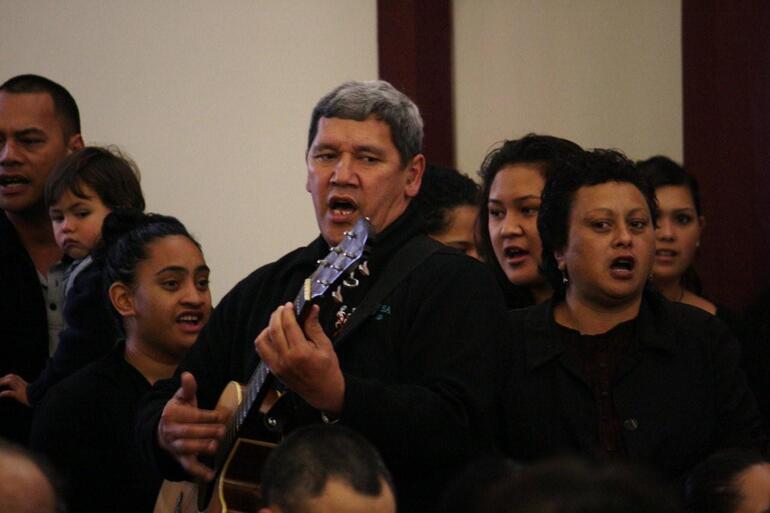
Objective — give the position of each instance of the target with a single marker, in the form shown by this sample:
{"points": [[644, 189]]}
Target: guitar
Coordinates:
{"points": [[241, 454]]}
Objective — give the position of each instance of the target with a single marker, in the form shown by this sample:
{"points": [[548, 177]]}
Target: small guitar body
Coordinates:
{"points": [[253, 432], [236, 488]]}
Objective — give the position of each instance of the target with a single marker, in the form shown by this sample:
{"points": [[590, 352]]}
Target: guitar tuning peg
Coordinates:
{"points": [[337, 294], [337, 250], [364, 268]]}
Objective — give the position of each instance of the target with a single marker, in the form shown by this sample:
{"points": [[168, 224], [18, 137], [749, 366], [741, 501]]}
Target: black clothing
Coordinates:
{"points": [[755, 355], [23, 327], [85, 426], [680, 394], [599, 357], [89, 334], [420, 372]]}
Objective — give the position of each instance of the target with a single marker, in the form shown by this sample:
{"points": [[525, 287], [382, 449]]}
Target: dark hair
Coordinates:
{"points": [[359, 100], [63, 103], [662, 171], [300, 467], [113, 177], [578, 486], [711, 485], [442, 190], [125, 237], [482, 478], [542, 151], [586, 169]]}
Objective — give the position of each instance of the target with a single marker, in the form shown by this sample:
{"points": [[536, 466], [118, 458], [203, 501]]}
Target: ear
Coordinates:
{"points": [[75, 143], [414, 169], [558, 254], [122, 299], [702, 222]]}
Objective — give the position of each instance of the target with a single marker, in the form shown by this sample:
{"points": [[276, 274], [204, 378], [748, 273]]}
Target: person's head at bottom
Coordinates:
{"points": [[733, 481], [320, 469], [26, 484], [577, 485]]}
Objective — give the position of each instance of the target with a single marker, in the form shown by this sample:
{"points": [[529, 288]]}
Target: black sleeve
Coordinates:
{"points": [[738, 416], [63, 430]]}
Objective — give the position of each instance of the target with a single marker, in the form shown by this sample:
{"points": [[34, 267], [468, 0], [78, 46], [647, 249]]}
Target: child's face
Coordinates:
{"points": [[77, 222]]}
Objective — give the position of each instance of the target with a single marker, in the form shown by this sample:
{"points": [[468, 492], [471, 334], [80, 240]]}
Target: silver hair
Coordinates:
{"points": [[358, 100]]}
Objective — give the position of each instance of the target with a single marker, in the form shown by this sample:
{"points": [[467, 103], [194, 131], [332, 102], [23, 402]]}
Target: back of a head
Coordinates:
{"points": [[576, 486], [111, 175], [711, 486], [64, 104], [306, 460], [442, 190], [358, 101], [26, 485]]}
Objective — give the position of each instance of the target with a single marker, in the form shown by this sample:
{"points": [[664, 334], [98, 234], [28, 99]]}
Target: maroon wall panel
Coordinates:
{"points": [[726, 80], [415, 55]]}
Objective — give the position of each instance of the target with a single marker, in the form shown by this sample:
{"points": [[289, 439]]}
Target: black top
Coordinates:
{"points": [[680, 394], [421, 372], [85, 426], [23, 327], [90, 331]]}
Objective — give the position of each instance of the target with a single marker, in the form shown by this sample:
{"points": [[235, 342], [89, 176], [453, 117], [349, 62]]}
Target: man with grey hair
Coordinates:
{"points": [[404, 351]]}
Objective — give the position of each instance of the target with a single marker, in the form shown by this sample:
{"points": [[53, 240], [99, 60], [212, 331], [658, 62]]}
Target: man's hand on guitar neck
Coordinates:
{"points": [[185, 431], [304, 360]]}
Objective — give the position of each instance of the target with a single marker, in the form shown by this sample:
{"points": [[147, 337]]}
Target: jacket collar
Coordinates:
{"points": [[653, 330]]}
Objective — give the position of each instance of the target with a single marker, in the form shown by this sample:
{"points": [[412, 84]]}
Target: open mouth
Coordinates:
{"points": [[515, 252], [623, 264], [190, 318], [7, 180], [342, 206]]}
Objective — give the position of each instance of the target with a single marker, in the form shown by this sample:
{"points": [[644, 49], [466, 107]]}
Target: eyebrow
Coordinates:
{"points": [[183, 270], [369, 149], [29, 131], [515, 200], [609, 211], [681, 209]]}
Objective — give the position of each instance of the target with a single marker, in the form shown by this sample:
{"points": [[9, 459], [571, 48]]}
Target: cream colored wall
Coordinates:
{"points": [[604, 73], [212, 99]]}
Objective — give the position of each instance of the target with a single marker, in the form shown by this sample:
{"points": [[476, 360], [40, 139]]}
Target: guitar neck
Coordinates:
{"points": [[251, 393]]}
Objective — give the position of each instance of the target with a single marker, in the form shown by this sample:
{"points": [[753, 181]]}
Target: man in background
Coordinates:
{"points": [[39, 126]]}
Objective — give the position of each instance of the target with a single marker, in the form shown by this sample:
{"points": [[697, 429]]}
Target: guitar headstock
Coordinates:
{"points": [[340, 259]]}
